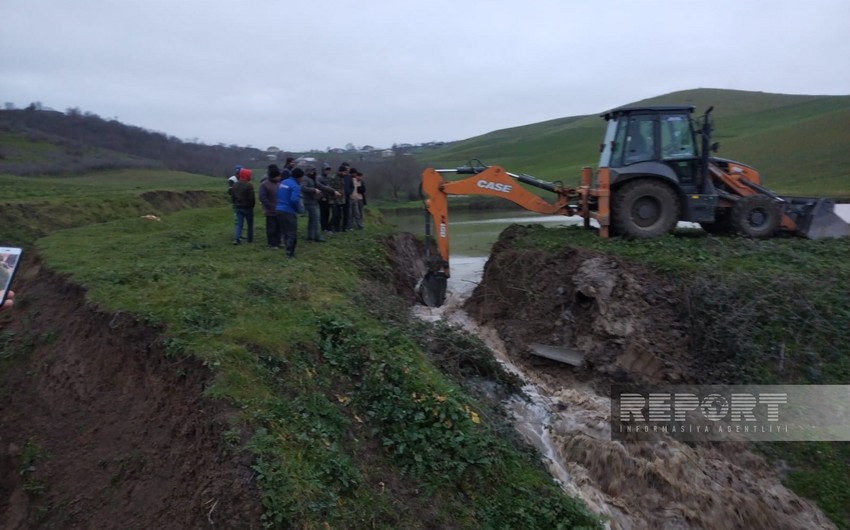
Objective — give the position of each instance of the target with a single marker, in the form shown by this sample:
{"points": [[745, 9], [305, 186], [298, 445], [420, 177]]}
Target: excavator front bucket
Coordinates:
{"points": [[432, 288], [816, 218]]}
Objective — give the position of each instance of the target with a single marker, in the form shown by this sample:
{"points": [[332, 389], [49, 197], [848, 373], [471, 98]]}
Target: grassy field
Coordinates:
{"points": [[798, 143], [31, 207], [342, 409], [104, 184]]}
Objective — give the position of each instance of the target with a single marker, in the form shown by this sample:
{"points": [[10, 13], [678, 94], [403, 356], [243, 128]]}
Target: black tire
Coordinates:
{"points": [[756, 216], [644, 208], [722, 223]]}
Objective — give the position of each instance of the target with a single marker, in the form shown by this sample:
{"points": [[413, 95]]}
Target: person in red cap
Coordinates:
{"points": [[243, 205]]}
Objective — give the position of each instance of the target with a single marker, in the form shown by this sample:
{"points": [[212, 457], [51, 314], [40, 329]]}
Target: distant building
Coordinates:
{"points": [[303, 161]]}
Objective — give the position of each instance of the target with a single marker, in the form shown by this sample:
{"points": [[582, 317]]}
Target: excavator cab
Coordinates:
{"points": [[655, 170], [660, 165]]}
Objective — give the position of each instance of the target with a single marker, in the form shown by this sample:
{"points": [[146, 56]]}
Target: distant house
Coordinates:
{"points": [[387, 153]]}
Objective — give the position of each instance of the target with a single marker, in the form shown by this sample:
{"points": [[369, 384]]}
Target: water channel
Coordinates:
{"points": [[560, 418]]}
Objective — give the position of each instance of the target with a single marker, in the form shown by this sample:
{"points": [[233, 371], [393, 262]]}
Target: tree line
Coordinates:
{"points": [[75, 142], [83, 141]]}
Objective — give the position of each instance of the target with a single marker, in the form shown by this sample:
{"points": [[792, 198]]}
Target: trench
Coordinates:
{"points": [[100, 428], [662, 484]]}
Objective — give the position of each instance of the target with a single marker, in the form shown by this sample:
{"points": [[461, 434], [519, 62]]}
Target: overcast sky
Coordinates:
{"points": [[323, 73]]}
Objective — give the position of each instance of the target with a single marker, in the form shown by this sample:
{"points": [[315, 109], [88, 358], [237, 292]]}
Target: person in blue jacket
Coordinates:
{"points": [[288, 207]]}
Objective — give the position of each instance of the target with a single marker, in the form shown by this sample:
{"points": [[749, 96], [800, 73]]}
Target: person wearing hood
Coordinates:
{"points": [[243, 206], [288, 207]]}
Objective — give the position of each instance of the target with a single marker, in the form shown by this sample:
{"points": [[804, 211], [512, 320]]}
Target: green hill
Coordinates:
{"points": [[799, 143]]}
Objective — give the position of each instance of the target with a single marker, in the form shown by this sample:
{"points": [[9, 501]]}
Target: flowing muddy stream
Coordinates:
{"points": [[663, 484]]}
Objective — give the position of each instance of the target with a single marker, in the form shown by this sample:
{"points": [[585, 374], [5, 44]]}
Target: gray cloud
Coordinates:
{"points": [[328, 72]]}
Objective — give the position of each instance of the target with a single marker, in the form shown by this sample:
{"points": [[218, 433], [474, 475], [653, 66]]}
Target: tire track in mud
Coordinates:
{"points": [[664, 484]]}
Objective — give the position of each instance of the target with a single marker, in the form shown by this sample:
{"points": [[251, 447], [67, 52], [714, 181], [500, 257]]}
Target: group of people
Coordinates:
{"points": [[332, 201]]}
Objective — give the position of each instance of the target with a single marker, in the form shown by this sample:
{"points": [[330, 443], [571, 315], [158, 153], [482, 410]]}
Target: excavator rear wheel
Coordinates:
{"points": [[756, 216], [644, 208]]}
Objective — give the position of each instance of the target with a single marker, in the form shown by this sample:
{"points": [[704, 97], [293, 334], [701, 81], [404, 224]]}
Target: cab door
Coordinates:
{"points": [[677, 149]]}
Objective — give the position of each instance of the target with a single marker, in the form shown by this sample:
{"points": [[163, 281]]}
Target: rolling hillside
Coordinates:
{"points": [[801, 144]]}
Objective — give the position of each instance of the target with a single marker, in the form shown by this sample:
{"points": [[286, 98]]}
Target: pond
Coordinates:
{"points": [[473, 232]]}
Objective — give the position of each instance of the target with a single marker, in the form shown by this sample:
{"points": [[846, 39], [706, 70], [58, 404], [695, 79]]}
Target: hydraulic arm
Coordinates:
{"points": [[496, 182]]}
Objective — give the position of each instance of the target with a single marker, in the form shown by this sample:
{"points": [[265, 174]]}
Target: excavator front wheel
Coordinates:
{"points": [[644, 208], [756, 216]]}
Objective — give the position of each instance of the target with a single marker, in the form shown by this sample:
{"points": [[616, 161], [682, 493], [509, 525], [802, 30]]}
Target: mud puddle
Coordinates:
{"points": [[659, 485]]}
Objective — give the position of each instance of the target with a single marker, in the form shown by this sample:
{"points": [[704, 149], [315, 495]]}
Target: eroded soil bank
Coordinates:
{"points": [[632, 326], [100, 428]]}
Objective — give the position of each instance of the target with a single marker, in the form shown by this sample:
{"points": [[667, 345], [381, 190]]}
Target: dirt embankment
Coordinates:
{"points": [[164, 201], [633, 326], [99, 428], [630, 323]]}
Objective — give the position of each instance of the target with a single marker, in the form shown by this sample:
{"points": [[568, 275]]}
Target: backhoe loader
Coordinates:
{"points": [[656, 168]]}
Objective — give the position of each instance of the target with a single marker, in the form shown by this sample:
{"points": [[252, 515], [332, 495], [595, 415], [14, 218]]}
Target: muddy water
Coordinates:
{"points": [[659, 485]]}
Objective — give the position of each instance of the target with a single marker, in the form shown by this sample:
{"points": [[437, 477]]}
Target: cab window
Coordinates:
{"points": [[639, 145], [677, 142], [634, 140]]}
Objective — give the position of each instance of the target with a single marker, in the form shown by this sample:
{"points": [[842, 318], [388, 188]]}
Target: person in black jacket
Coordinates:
{"points": [[324, 179], [243, 204], [268, 201]]}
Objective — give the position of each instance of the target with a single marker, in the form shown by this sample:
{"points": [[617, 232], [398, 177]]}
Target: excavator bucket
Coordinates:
{"points": [[816, 218], [432, 288]]}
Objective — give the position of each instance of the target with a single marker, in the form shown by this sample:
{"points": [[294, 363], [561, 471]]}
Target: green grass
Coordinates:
{"points": [[103, 184], [32, 207], [345, 415]]}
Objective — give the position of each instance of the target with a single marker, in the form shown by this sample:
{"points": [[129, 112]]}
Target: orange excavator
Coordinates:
{"points": [[656, 168]]}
